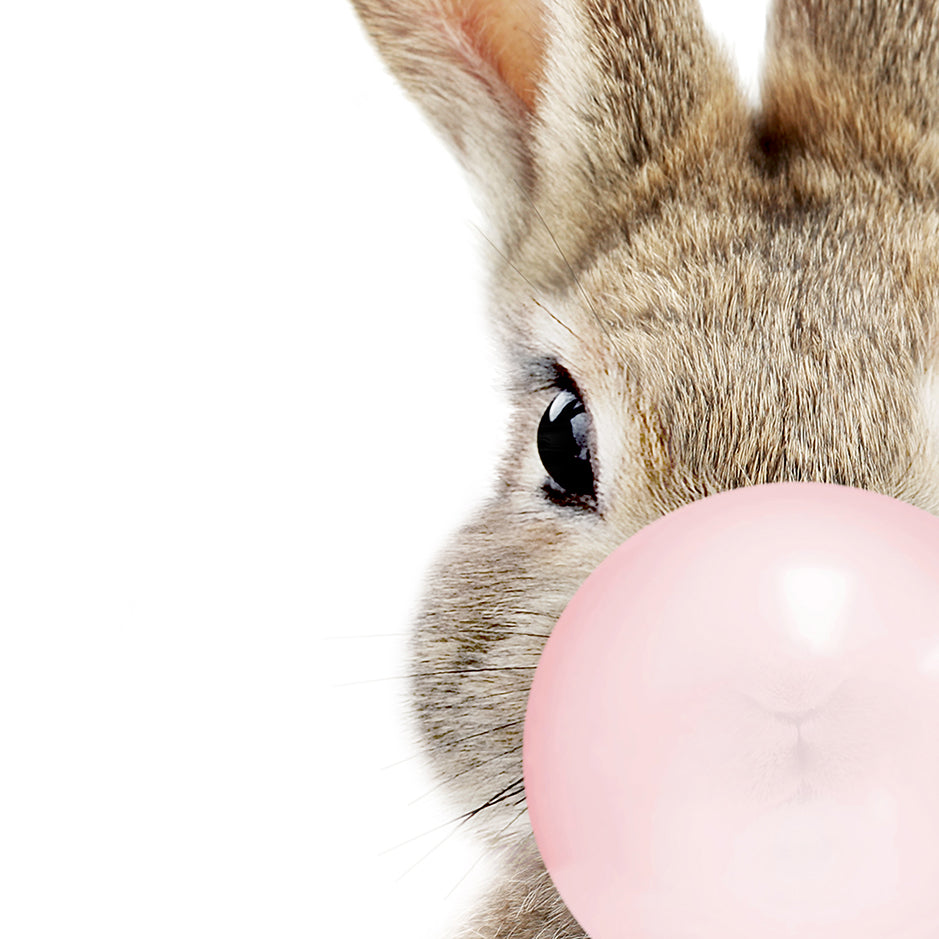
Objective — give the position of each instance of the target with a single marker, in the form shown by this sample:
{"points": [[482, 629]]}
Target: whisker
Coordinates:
{"points": [[481, 733], [508, 792], [522, 695], [551, 616], [403, 760], [567, 264], [556, 319], [484, 854], [369, 636], [451, 671], [414, 756], [465, 816], [429, 831], [470, 671], [534, 300], [469, 769], [487, 695], [439, 844], [489, 730]]}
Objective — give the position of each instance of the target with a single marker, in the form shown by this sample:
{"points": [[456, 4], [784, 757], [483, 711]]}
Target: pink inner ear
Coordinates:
{"points": [[510, 35]]}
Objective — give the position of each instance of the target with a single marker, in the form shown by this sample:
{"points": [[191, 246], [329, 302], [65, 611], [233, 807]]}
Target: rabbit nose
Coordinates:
{"points": [[734, 727]]}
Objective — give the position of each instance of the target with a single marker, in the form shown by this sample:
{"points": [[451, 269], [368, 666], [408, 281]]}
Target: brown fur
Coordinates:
{"points": [[740, 299]]}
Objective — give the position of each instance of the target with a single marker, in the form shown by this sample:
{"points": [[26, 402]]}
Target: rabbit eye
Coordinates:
{"points": [[564, 445]]}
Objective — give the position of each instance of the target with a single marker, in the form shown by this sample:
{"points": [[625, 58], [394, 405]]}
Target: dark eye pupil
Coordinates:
{"points": [[564, 445]]}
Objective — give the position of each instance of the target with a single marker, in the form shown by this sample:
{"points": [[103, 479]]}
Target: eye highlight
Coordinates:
{"points": [[564, 445]]}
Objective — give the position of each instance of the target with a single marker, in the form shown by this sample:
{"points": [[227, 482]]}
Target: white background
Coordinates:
{"points": [[245, 394]]}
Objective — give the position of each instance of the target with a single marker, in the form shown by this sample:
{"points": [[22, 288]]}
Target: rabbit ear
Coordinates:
{"points": [[631, 82], [578, 93], [854, 79], [474, 68]]}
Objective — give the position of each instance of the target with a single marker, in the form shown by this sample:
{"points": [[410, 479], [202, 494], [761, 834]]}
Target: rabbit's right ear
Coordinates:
{"points": [[474, 67], [566, 97]]}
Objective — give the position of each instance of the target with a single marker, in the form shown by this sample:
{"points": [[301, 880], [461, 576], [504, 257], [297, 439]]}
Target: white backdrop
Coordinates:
{"points": [[245, 394]]}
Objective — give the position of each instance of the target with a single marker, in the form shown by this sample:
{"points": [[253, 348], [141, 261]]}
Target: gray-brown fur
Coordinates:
{"points": [[740, 298]]}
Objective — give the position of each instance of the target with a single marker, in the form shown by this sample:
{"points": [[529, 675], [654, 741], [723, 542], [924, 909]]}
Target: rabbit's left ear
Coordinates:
{"points": [[857, 83], [474, 66]]}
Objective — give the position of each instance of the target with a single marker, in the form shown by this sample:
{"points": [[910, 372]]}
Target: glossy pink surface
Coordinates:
{"points": [[734, 728]]}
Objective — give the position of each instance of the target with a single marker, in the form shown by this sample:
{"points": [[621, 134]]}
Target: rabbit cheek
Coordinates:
{"points": [[490, 607]]}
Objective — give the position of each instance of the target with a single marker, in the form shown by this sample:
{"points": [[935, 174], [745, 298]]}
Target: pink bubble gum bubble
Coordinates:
{"points": [[733, 730]]}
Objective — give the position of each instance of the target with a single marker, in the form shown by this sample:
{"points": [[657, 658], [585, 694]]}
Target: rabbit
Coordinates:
{"points": [[692, 294]]}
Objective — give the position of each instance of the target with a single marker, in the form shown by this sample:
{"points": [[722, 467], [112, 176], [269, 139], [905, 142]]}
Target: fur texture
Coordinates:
{"points": [[739, 298]]}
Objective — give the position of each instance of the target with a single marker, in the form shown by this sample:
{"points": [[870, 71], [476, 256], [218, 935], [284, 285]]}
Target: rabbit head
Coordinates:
{"points": [[692, 296]]}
